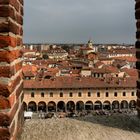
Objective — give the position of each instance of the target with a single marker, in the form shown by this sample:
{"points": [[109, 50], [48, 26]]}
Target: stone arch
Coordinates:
{"points": [[25, 106], [89, 105], [32, 106], [106, 105], [80, 106], [61, 106], [132, 104], [42, 106], [51, 106], [98, 105], [70, 106], [124, 104], [115, 105]]}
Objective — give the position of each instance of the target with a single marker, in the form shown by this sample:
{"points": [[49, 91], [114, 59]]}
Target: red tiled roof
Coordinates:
{"points": [[122, 51], [29, 70], [112, 69], [51, 72], [127, 58], [99, 63], [131, 72], [102, 70], [79, 82]]}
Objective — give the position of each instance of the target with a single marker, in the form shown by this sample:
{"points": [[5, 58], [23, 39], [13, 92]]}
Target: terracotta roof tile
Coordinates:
{"points": [[80, 82]]}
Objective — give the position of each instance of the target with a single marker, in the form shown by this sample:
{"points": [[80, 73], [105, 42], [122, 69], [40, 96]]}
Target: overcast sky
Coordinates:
{"points": [[76, 21]]}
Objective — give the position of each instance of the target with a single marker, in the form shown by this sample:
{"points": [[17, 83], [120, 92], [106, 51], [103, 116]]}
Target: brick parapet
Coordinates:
{"points": [[11, 83]]}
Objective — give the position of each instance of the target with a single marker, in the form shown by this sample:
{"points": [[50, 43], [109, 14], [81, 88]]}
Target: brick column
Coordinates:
{"points": [[137, 16], [11, 83]]}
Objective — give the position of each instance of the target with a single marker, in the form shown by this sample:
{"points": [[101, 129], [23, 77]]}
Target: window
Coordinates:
{"points": [[89, 94], [124, 93], [70, 94], [79, 94], [115, 94], [106, 94], [98, 94], [61, 94], [32, 94], [51, 94], [132, 93], [42, 94]]}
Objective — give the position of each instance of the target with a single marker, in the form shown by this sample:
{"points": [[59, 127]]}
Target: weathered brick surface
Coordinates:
{"points": [[8, 71], [137, 5], [9, 27], [4, 120], [13, 111], [138, 102], [13, 3], [6, 11], [4, 134], [6, 41], [6, 90], [4, 103], [19, 90], [137, 44], [9, 41], [9, 56], [12, 128], [11, 21], [138, 94], [137, 16]]}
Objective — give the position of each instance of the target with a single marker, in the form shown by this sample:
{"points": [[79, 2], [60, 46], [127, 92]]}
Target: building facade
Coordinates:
{"points": [[79, 96]]}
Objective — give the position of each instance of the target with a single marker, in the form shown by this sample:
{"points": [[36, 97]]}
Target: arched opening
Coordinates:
{"points": [[47, 77], [89, 105], [71, 106], [80, 106], [24, 106], [32, 106], [42, 106], [124, 105], [115, 105], [97, 105], [106, 105], [51, 106], [132, 104], [61, 106]]}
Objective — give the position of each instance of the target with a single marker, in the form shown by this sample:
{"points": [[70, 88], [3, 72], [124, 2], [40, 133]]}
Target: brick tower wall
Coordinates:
{"points": [[137, 16], [11, 83]]}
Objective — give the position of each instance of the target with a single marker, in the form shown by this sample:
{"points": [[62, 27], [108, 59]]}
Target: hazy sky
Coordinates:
{"points": [[76, 21]]}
